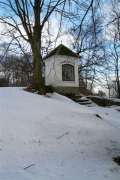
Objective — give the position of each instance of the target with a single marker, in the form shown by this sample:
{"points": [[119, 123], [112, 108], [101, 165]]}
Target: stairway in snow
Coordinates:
{"points": [[82, 100]]}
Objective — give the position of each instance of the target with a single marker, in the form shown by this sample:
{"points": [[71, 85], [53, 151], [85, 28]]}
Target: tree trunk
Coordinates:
{"points": [[117, 75], [118, 88], [37, 82]]}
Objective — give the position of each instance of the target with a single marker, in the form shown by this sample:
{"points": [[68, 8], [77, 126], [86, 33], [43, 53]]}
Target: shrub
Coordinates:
{"points": [[49, 89], [101, 93], [70, 95]]}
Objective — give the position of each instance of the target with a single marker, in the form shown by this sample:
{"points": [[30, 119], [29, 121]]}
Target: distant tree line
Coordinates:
{"points": [[17, 70]]}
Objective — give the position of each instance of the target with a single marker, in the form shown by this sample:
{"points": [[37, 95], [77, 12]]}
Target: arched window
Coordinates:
{"points": [[68, 73]]}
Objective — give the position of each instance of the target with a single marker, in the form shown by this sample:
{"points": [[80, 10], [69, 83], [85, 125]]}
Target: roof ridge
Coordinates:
{"points": [[62, 50]]}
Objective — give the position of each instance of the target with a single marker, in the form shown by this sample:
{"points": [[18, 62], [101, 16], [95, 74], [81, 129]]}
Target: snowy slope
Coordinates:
{"points": [[53, 138]]}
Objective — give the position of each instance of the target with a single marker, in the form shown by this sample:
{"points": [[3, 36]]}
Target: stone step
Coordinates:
{"points": [[85, 103], [82, 100]]}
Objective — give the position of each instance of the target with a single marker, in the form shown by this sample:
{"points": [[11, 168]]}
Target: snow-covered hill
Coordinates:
{"points": [[53, 138]]}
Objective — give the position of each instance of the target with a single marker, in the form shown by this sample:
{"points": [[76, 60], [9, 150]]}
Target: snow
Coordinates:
{"points": [[105, 97], [53, 138]]}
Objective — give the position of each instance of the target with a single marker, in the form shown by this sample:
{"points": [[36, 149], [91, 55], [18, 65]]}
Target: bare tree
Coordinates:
{"points": [[88, 41], [114, 49], [28, 18]]}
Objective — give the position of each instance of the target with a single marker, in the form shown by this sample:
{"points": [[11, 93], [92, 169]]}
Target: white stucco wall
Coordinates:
{"points": [[53, 71]]}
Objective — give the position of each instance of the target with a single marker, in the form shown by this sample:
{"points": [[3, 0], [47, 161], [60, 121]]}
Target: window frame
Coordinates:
{"points": [[72, 68]]}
